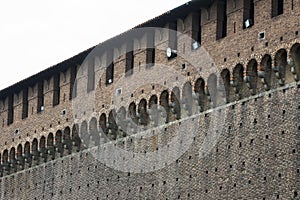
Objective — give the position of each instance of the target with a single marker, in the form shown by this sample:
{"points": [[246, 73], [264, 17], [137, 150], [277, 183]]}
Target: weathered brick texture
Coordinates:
{"points": [[254, 93]]}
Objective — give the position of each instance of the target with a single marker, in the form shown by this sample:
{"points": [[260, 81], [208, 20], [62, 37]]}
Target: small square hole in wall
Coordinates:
{"points": [[266, 44], [296, 33], [183, 66], [238, 54], [261, 35], [119, 91], [281, 39]]}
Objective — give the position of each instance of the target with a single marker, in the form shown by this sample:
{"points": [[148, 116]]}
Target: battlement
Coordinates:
{"points": [[254, 53]]}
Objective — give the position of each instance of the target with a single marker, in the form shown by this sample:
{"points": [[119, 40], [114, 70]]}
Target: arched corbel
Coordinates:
{"points": [[247, 80], [277, 71], [196, 98], [262, 75], [292, 65], [234, 84], [206, 91]]}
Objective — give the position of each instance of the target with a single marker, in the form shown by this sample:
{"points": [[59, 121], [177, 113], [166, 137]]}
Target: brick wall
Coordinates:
{"points": [[256, 156]]}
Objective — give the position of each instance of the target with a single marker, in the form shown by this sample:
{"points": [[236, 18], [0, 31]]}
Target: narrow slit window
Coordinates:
{"points": [[25, 104], [196, 30], [91, 76], [222, 19], [10, 114], [150, 51], [73, 83], [129, 59], [56, 90], [40, 103], [110, 67], [248, 15], [173, 35]]}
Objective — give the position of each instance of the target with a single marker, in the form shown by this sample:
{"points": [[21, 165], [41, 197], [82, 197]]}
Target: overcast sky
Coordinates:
{"points": [[35, 34]]}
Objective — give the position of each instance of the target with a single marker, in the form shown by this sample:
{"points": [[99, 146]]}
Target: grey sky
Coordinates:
{"points": [[35, 34]]}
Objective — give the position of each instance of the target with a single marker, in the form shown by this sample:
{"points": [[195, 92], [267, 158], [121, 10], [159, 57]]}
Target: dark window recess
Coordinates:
{"points": [[10, 114], [25, 104], [129, 59], [110, 68], [248, 15], [150, 57], [150, 51], [221, 19], [40, 95], [56, 89], [110, 73], [277, 7], [196, 30], [173, 35], [73, 83], [91, 77]]}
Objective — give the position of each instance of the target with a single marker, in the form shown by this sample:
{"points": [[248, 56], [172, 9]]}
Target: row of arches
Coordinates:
{"points": [[194, 97], [40, 150], [180, 102]]}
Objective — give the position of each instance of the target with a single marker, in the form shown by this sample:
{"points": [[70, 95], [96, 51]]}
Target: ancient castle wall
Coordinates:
{"points": [[43, 140], [256, 157]]}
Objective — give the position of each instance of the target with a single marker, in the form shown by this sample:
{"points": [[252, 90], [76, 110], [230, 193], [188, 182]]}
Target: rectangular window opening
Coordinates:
{"points": [[110, 67], [73, 83], [248, 17], [221, 19], [56, 89], [109, 74], [150, 51], [173, 35], [196, 30], [25, 104], [10, 114], [277, 7], [91, 77], [40, 103], [129, 59]]}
